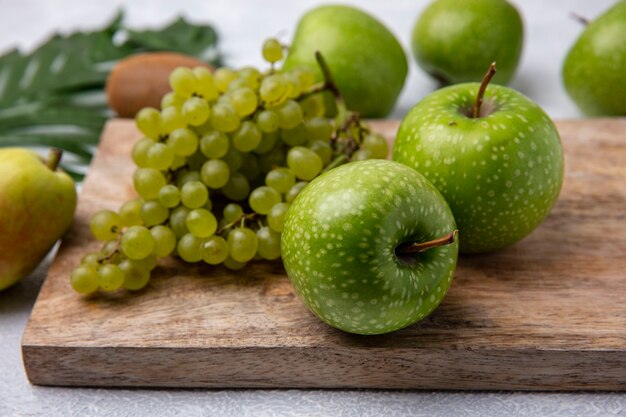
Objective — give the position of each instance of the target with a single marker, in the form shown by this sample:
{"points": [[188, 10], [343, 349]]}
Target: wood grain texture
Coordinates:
{"points": [[547, 313]]}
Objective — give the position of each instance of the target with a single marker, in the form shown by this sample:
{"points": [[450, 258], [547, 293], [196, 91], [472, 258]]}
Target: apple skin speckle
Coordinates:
{"points": [[500, 173], [365, 210]]}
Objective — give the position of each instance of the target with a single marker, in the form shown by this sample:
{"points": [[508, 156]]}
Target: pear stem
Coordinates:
{"points": [[54, 157], [481, 91], [419, 247], [580, 19]]}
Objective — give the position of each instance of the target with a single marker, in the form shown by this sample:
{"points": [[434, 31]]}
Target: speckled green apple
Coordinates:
{"points": [[595, 67], [455, 41], [37, 204], [343, 240], [500, 172], [365, 58]]}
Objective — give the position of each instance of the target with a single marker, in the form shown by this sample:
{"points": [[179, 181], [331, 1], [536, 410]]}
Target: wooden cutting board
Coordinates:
{"points": [[548, 313]]}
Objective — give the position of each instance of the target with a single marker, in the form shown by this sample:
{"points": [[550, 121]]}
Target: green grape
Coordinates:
{"points": [[208, 205], [294, 85], [137, 242], [206, 87], [172, 119], [149, 122], [110, 248], [244, 101], [377, 145], [105, 225], [313, 106], [272, 159], [237, 188], [139, 153], [187, 176], [183, 81], [189, 248], [232, 212], [242, 244], [233, 158], [268, 140], [214, 250], [148, 263], [201, 223], [247, 137], [232, 264], [159, 156], [323, 149], [295, 136], [250, 167], [148, 182], [223, 77], [171, 99], [153, 213], [361, 155], [183, 141], [263, 198], [178, 221], [196, 111], [194, 194], [195, 161], [235, 85], [269, 243], [164, 240], [84, 279], [281, 179], [272, 50], [110, 277], [318, 128], [289, 114], [276, 216], [251, 75], [305, 163], [294, 191], [178, 162], [215, 173], [135, 277], [214, 144], [224, 118], [92, 258], [305, 76], [169, 196], [267, 121], [274, 90]]}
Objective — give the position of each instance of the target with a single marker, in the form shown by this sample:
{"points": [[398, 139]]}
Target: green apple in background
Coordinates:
{"points": [[595, 67], [348, 243], [454, 41], [366, 60], [37, 204], [500, 168]]}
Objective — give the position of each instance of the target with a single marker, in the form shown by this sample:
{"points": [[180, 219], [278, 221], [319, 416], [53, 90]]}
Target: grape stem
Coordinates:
{"points": [[108, 257], [580, 19], [481, 91], [54, 158], [241, 219], [419, 247]]}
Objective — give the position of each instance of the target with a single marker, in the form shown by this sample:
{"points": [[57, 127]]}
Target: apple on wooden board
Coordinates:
{"points": [[494, 155], [595, 67], [37, 204], [367, 62], [455, 41], [370, 246]]}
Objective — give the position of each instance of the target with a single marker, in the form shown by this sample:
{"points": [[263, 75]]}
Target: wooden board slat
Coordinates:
{"points": [[546, 313]]}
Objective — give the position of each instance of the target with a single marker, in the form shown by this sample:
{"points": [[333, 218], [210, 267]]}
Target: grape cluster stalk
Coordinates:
{"points": [[218, 167]]}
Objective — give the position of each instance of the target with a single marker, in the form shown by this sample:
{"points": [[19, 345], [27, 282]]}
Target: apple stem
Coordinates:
{"points": [[54, 157], [419, 247], [580, 19], [481, 91]]}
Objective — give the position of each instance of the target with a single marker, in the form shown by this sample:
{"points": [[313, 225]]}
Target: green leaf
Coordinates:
{"points": [[54, 96]]}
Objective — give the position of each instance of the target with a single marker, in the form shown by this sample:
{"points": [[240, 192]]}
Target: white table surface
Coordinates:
{"points": [[242, 26]]}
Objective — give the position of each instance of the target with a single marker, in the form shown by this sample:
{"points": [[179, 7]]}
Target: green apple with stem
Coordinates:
{"points": [[493, 153], [370, 246], [594, 69], [367, 61], [454, 41], [37, 204]]}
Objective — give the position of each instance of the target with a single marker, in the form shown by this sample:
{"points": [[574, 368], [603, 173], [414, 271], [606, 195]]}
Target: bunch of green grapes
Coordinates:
{"points": [[218, 167]]}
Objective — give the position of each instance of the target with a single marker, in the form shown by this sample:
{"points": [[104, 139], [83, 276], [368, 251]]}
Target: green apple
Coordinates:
{"points": [[346, 246], [37, 204], [367, 62], [454, 41], [594, 69], [499, 164]]}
